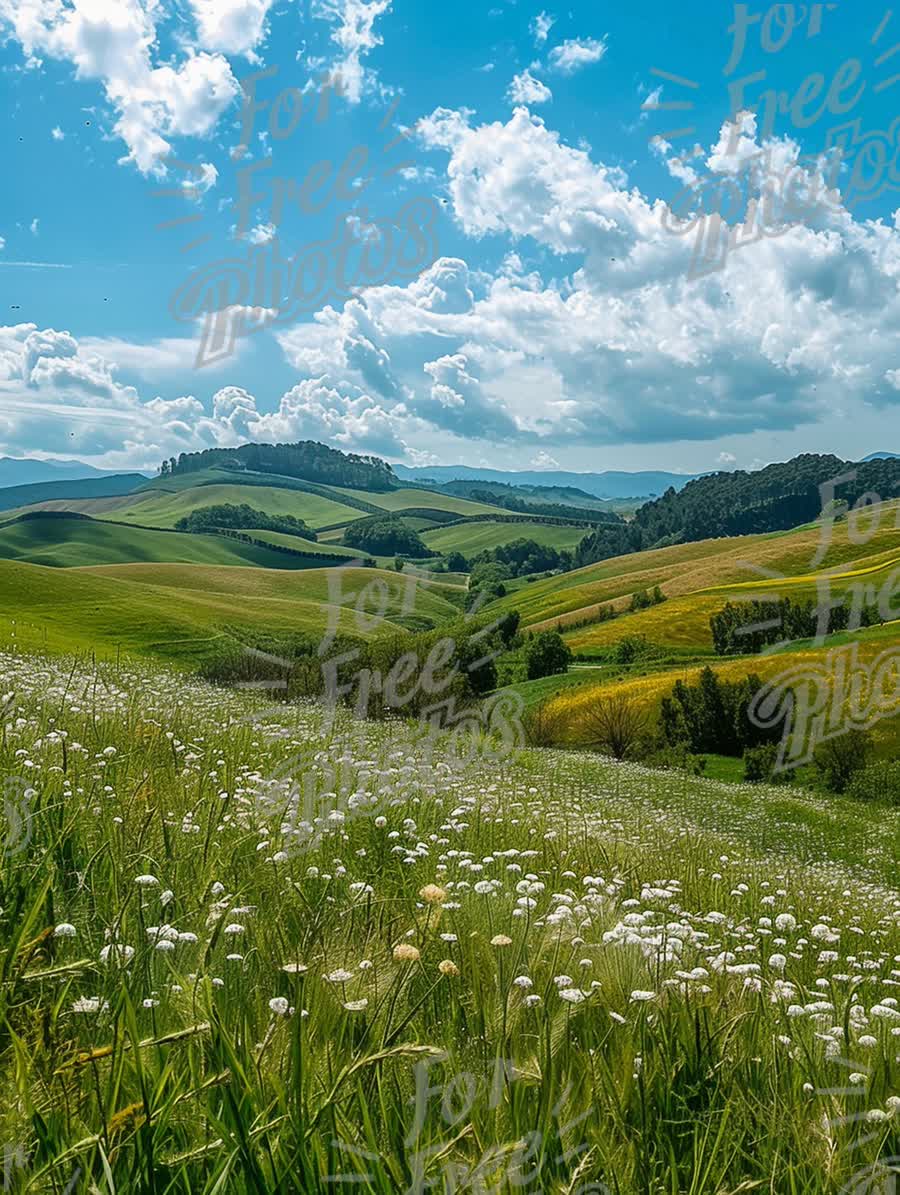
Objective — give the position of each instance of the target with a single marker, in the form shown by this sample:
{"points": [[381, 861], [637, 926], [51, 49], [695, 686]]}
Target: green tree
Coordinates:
{"points": [[837, 760], [546, 654]]}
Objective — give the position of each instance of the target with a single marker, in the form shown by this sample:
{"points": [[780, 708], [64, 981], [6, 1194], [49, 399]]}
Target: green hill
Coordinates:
{"points": [[72, 541], [186, 613], [165, 509], [472, 538]]}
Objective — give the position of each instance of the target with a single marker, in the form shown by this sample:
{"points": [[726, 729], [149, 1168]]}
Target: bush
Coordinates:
{"points": [[382, 535], [241, 517], [760, 765], [634, 648], [456, 562], [546, 654], [677, 759], [617, 725], [877, 782], [838, 760]]}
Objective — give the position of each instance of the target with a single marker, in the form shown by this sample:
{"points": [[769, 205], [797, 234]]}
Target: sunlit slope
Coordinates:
{"points": [[472, 538], [801, 662], [165, 509], [72, 542], [185, 620], [683, 622], [399, 500], [689, 568], [392, 595]]}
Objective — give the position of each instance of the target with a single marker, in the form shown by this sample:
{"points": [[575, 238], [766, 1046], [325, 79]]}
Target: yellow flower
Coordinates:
{"points": [[501, 940], [405, 953], [432, 894], [448, 967]]}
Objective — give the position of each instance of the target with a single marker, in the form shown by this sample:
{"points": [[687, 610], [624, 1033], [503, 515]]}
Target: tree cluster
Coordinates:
{"points": [[383, 535], [306, 459], [743, 628], [242, 518], [712, 716]]}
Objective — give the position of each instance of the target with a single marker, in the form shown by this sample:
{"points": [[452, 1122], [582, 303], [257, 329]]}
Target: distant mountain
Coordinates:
{"points": [[882, 456], [24, 471], [111, 485], [609, 484]]}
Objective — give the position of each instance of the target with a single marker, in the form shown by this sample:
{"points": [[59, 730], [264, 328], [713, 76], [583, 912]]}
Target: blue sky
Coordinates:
{"points": [[510, 177]]}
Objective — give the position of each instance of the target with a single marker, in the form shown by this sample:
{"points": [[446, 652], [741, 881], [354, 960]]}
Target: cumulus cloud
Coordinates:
{"points": [[576, 53], [526, 89], [231, 26], [355, 37], [115, 44], [623, 347], [67, 397], [541, 26]]}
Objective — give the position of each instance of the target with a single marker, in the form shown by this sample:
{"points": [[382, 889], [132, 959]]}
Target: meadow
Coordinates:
{"points": [[188, 614], [263, 948]]}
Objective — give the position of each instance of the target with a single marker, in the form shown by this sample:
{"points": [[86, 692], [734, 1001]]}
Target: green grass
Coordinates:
{"points": [[472, 538], [282, 1043], [398, 500], [164, 510], [74, 542], [694, 567], [186, 613]]}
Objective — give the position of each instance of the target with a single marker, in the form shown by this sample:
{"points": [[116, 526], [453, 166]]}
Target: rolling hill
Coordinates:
{"points": [[186, 613], [71, 541]]}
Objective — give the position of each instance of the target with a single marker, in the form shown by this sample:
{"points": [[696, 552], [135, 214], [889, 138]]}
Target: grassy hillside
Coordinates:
{"points": [[397, 500], [165, 509], [185, 613], [71, 542], [690, 568], [472, 538], [401, 596], [650, 982]]}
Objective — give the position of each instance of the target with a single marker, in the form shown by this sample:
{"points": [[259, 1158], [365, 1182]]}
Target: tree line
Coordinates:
{"points": [[306, 459]]}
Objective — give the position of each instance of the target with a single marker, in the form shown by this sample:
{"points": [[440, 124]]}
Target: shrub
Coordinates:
{"points": [[385, 536], [877, 782], [634, 648], [760, 765], [546, 654], [837, 760], [617, 725]]}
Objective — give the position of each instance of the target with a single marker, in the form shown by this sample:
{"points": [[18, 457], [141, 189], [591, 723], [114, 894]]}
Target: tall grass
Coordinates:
{"points": [[261, 950]]}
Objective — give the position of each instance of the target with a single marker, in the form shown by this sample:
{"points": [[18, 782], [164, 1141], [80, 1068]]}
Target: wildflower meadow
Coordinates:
{"points": [[256, 947]]}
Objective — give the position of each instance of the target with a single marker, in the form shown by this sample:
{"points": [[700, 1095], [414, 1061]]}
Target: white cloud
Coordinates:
{"points": [[541, 26], [576, 53], [544, 460], [2, 244], [57, 134], [355, 37], [623, 348], [33, 226], [526, 89], [115, 43], [231, 26]]}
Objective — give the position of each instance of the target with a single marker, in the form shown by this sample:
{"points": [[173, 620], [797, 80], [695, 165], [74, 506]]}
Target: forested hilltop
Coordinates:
{"points": [[776, 498], [306, 459]]}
